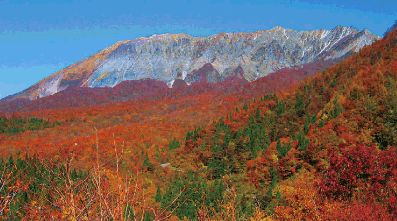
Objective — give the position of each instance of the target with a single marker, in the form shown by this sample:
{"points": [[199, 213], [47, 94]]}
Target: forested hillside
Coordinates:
{"points": [[323, 150]]}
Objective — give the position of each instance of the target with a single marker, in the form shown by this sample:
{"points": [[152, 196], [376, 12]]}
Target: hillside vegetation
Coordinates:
{"points": [[323, 150]]}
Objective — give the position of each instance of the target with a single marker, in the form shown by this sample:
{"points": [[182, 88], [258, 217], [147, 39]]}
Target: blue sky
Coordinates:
{"points": [[38, 38]]}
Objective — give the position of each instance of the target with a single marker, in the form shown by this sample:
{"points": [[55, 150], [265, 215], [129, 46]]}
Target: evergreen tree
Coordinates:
{"points": [[227, 137], [148, 216], [217, 168], [245, 107], [299, 106], [333, 83], [256, 148], [10, 162], [157, 153], [307, 124], [303, 143], [158, 198], [258, 114], [215, 139], [202, 146], [189, 135], [174, 145], [273, 183], [314, 118], [283, 148], [321, 123], [73, 174], [167, 197], [146, 162], [251, 121], [281, 108], [266, 140]]}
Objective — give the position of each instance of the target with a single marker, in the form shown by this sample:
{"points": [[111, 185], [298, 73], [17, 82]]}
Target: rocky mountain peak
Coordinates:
{"points": [[167, 57]]}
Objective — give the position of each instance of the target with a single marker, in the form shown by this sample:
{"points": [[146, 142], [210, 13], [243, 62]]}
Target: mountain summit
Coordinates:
{"points": [[170, 57]]}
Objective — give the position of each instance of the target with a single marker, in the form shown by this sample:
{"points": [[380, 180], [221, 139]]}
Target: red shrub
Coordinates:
{"points": [[362, 172]]}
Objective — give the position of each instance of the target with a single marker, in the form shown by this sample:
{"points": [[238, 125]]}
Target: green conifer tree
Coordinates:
{"points": [[148, 216], [146, 162], [314, 119], [158, 198], [307, 124], [258, 114]]}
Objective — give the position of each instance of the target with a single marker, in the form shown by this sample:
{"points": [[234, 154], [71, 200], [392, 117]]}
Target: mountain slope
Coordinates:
{"points": [[168, 57], [325, 150], [322, 150]]}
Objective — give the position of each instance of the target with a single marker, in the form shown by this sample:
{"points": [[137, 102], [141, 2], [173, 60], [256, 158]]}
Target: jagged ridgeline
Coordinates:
{"points": [[185, 59]]}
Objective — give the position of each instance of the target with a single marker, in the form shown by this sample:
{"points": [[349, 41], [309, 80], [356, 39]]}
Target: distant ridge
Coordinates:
{"points": [[180, 57]]}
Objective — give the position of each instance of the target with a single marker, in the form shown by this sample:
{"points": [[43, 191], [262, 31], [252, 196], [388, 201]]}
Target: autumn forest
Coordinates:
{"points": [[294, 145]]}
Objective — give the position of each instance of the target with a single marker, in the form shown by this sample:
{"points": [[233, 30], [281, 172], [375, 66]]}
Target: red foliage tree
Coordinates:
{"points": [[361, 172]]}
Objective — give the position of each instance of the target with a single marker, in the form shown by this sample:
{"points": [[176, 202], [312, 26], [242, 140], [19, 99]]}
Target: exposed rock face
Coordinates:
{"points": [[168, 57]]}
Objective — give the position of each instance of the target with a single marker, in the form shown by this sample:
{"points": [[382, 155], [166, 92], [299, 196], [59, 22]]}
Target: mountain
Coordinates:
{"points": [[324, 149], [185, 59]]}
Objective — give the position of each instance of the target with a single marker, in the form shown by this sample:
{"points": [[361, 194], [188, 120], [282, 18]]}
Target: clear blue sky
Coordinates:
{"points": [[38, 38]]}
